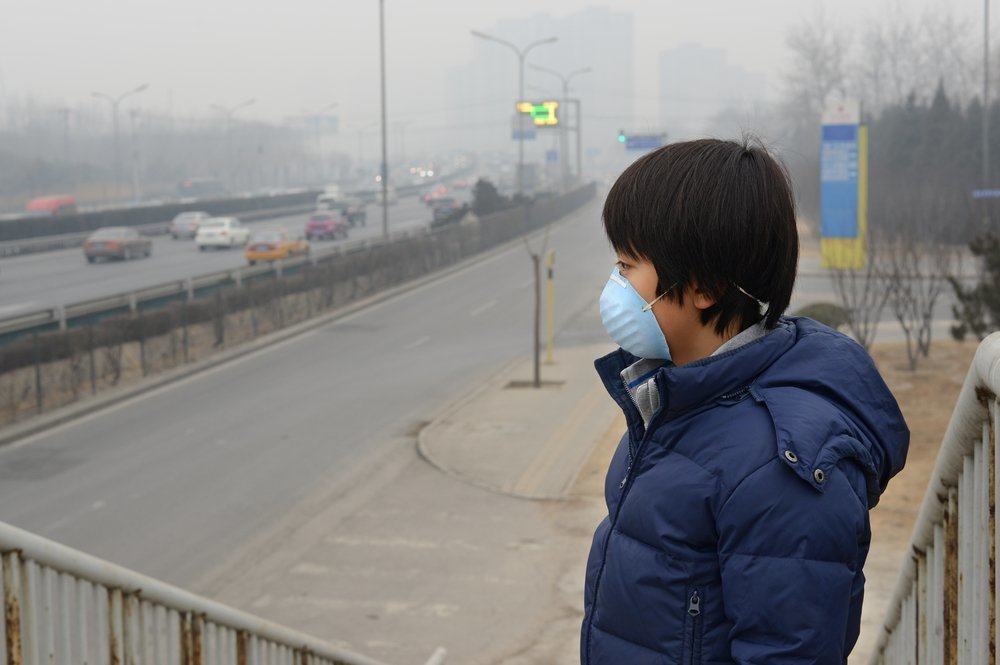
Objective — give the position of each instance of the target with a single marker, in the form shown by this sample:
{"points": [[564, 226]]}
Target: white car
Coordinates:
{"points": [[221, 232]]}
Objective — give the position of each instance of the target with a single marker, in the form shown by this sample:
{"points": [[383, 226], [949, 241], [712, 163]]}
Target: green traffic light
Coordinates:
{"points": [[621, 137]]}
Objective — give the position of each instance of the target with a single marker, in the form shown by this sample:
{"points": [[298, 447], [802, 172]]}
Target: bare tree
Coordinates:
{"points": [[917, 263], [862, 293]]}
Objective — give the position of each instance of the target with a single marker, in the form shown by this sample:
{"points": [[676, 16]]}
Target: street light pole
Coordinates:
{"points": [[384, 170], [521, 53], [563, 131], [115, 103], [228, 112], [986, 94]]}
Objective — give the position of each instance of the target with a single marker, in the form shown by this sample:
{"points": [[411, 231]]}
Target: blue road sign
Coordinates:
{"points": [[644, 141]]}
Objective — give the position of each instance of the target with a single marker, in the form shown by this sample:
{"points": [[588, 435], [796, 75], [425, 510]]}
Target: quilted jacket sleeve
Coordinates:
{"points": [[789, 555]]}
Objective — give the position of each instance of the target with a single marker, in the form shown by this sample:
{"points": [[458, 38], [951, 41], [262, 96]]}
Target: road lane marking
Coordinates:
{"points": [[417, 342], [482, 308]]}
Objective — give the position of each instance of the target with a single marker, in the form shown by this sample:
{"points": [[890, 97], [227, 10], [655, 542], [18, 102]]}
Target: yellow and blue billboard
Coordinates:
{"points": [[843, 187]]}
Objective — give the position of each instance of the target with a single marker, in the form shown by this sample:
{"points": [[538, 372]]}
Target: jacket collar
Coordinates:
{"points": [[689, 386]]}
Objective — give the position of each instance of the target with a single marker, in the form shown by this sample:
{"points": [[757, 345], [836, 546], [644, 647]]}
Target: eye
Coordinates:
{"points": [[622, 266]]}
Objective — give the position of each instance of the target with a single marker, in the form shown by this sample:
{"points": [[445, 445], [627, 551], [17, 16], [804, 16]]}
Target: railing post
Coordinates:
{"points": [[12, 601], [951, 579], [115, 628]]}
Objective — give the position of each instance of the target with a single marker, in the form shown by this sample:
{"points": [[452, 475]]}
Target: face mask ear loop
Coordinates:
{"points": [[650, 305]]}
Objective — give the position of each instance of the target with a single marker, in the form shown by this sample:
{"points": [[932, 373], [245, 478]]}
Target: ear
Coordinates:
{"points": [[699, 298]]}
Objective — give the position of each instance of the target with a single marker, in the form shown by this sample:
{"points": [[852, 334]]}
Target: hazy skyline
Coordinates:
{"points": [[309, 54]]}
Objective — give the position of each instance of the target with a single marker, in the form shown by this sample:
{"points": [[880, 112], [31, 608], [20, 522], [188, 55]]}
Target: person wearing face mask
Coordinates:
{"points": [[756, 443]]}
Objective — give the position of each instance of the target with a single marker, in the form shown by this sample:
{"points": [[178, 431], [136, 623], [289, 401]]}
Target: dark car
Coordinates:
{"points": [[351, 207], [326, 224], [116, 242], [444, 208]]}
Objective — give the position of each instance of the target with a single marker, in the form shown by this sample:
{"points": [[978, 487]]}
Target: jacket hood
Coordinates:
{"points": [[821, 388]]}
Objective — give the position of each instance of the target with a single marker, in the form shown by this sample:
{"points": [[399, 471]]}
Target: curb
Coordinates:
{"points": [[423, 449], [62, 415]]}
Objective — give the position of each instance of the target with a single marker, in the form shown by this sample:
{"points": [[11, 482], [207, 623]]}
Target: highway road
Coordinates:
{"points": [[49, 279], [176, 481]]}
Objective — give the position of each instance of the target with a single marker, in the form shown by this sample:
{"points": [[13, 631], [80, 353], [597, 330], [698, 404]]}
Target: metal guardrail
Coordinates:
{"points": [[64, 607], [60, 316], [944, 608]]}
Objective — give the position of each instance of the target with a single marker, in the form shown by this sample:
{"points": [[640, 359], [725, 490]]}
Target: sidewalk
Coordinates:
{"points": [[410, 557]]}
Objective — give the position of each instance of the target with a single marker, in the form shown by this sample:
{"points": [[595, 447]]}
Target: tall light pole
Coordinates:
{"points": [[384, 170], [563, 131], [521, 53], [115, 103], [228, 112], [986, 94]]}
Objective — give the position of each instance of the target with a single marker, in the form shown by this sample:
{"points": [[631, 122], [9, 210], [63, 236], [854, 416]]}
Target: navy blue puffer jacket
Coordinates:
{"points": [[737, 525]]}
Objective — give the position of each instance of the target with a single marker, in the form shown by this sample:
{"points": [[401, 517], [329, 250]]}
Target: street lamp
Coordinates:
{"points": [[522, 53], [563, 138], [228, 112], [115, 103]]}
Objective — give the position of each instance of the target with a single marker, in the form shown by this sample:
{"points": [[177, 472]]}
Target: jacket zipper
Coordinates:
{"points": [[694, 611], [631, 457]]}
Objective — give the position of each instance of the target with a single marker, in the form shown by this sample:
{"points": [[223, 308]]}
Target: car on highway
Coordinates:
{"points": [[59, 204], [185, 224], [326, 225], [116, 242], [352, 207], [444, 208], [274, 244], [221, 232], [434, 194]]}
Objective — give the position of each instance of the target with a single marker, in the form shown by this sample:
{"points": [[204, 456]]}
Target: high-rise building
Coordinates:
{"points": [[697, 83]]}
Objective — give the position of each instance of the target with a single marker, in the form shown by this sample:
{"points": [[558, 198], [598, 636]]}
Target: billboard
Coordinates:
{"points": [[843, 187]]}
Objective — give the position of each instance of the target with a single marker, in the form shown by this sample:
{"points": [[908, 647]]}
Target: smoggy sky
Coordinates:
{"points": [[299, 55]]}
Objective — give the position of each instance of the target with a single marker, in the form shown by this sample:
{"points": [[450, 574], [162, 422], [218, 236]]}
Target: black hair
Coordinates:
{"points": [[718, 213]]}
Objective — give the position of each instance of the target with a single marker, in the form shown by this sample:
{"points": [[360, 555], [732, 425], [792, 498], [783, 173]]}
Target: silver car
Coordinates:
{"points": [[185, 225]]}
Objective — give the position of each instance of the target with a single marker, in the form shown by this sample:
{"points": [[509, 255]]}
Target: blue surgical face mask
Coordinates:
{"points": [[629, 319]]}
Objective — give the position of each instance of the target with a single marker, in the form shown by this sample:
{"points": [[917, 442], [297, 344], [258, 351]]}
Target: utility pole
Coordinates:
{"points": [[521, 53], [563, 129], [385, 157], [115, 103]]}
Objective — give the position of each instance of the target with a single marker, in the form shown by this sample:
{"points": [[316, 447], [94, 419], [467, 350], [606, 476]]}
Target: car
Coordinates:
{"points": [[434, 194], [216, 232], [60, 204], [274, 244], [444, 207], [353, 208], [116, 242], [185, 224], [326, 224]]}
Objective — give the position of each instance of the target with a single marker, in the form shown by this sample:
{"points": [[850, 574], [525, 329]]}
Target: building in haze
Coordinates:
{"points": [[481, 94], [698, 82]]}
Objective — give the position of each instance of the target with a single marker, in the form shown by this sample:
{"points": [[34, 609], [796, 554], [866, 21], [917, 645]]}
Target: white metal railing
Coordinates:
{"points": [[64, 607], [944, 607]]}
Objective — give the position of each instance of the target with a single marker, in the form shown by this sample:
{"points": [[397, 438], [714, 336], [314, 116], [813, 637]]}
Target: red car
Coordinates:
{"points": [[326, 224]]}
